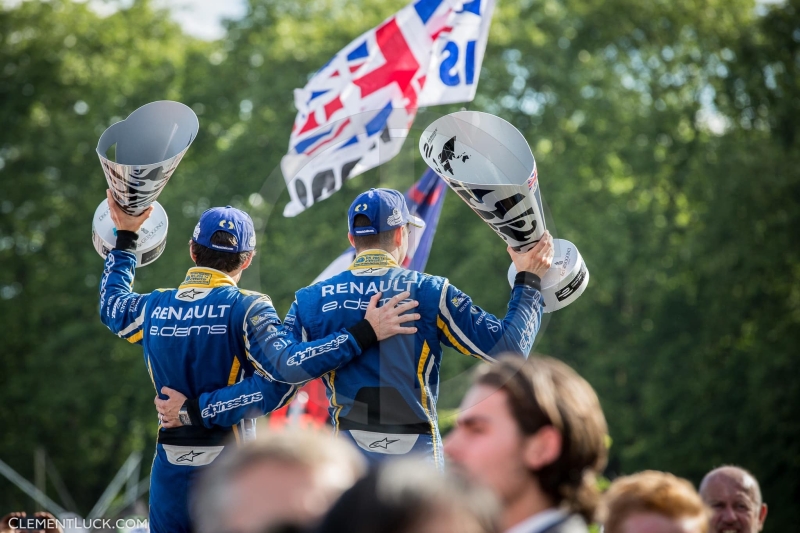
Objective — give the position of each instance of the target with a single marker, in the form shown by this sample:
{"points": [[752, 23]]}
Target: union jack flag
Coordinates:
{"points": [[356, 110], [534, 177]]}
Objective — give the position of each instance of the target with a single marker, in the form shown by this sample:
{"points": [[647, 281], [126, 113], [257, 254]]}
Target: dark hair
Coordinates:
{"points": [[222, 261], [381, 241], [543, 391], [401, 496]]}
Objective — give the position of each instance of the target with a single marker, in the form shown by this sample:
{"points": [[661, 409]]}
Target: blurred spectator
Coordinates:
{"points": [[408, 496], [653, 502], [734, 497], [281, 481], [9, 521], [533, 432]]}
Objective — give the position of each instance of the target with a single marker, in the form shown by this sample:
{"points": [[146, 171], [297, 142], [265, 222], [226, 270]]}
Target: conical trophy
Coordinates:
{"points": [[489, 164], [149, 145]]}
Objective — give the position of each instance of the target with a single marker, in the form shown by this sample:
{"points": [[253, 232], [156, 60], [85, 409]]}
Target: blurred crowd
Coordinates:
{"points": [[525, 456]]}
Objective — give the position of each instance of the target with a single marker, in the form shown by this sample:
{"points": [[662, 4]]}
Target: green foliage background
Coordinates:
{"points": [[666, 138]]}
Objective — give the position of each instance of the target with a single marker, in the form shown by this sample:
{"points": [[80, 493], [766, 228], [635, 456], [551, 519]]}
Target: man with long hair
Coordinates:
{"points": [[534, 432]]}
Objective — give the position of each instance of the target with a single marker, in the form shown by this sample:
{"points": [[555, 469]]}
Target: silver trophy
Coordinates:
{"points": [[149, 145], [489, 164]]}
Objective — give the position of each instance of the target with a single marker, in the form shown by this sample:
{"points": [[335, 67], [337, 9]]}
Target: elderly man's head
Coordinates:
{"points": [[289, 478], [734, 497]]}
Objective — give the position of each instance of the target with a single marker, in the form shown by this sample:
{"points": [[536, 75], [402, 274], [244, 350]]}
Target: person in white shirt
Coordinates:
{"points": [[534, 432]]}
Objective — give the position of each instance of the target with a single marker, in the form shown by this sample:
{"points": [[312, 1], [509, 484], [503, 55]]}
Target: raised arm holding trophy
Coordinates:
{"points": [[489, 164], [149, 145]]}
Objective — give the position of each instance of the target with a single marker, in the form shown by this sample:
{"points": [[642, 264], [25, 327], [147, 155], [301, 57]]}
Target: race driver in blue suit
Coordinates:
{"points": [[207, 334], [385, 400]]}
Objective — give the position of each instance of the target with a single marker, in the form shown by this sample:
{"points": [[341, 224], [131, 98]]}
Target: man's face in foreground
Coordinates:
{"points": [[275, 492], [731, 497], [487, 443]]}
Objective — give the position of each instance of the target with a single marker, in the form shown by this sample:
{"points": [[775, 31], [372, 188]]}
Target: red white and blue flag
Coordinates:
{"points": [[355, 112]]}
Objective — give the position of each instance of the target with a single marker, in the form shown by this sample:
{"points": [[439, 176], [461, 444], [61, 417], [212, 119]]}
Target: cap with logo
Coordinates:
{"points": [[230, 220], [386, 210]]}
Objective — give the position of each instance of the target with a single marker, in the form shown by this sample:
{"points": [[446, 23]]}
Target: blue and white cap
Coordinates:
{"points": [[230, 220], [386, 210]]}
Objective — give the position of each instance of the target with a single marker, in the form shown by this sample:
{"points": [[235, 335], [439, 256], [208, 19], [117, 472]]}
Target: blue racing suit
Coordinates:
{"points": [[200, 337], [385, 400]]}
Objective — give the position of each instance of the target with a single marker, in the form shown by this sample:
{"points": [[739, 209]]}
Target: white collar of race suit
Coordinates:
{"points": [[373, 259], [207, 278]]}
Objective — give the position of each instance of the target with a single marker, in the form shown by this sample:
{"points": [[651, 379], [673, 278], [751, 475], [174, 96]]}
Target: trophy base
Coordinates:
{"points": [[152, 235], [566, 279]]}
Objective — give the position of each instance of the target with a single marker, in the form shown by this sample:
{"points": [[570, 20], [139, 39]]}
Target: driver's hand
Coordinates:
{"points": [[388, 320], [538, 259], [168, 409], [122, 220]]}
